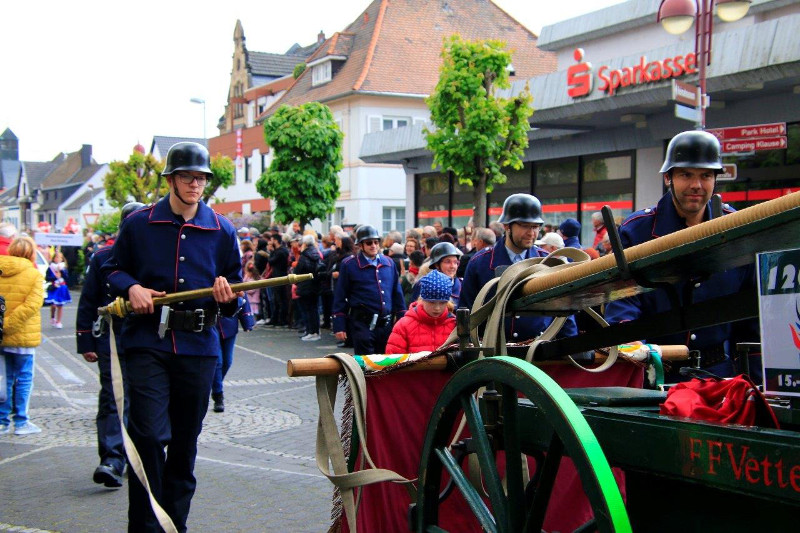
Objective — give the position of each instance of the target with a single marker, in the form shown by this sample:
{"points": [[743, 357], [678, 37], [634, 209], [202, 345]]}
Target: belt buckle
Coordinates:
{"points": [[199, 320]]}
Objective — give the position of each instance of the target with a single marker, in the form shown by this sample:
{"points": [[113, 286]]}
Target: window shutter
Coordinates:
{"points": [[374, 124]]}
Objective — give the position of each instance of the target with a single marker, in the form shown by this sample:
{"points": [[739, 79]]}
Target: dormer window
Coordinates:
{"points": [[321, 73]]}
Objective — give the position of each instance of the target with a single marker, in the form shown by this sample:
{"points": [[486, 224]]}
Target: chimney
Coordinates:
{"points": [[86, 155], [320, 37]]}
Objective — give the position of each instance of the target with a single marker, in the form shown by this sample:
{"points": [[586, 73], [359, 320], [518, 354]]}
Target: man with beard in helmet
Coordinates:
{"points": [[178, 244], [92, 337], [689, 172], [521, 220], [368, 296]]}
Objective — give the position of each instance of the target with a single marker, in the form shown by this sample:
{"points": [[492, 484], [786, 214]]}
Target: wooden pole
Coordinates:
{"points": [[327, 366], [121, 307]]}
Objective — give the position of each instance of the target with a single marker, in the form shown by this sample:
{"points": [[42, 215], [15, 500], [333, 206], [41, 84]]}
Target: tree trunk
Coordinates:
{"points": [[479, 202]]}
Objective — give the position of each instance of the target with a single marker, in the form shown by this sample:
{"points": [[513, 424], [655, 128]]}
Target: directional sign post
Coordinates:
{"points": [[750, 145], [687, 101], [729, 172], [776, 129]]}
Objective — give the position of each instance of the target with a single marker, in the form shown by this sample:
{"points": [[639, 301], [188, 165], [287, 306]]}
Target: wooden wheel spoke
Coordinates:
{"points": [[474, 500], [544, 486], [486, 459], [515, 488]]}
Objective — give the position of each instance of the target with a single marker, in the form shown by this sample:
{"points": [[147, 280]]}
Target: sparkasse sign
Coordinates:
{"points": [[580, 78]]}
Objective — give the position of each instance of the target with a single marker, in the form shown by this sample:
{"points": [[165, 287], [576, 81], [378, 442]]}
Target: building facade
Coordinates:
{"points": [[375, 75], [603, 118]]}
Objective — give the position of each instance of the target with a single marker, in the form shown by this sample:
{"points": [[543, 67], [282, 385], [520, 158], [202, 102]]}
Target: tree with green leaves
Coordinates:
{"points": [[134, 180], [223, 173], [477, 133], [303, 178]]}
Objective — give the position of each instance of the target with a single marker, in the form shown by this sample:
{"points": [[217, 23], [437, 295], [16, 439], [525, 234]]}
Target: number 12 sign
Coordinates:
{"points": [[779, 306]]}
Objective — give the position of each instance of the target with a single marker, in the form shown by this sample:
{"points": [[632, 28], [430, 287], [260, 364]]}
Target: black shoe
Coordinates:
{"points": [[107, 475], [219, 402]]}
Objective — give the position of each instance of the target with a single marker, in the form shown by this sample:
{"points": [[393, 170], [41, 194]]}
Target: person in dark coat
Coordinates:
{"points": [[279, 267], [308, 291]]}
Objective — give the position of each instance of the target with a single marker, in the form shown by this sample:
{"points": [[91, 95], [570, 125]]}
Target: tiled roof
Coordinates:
{"points": [[64, 172], [164, 143], [36, 171], [85, 198], [304, 51], [396, 48], [8, 197], [272, 65]]}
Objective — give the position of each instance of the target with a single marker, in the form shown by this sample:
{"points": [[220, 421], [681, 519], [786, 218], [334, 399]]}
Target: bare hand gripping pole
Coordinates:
{"points": [[121, 307]]}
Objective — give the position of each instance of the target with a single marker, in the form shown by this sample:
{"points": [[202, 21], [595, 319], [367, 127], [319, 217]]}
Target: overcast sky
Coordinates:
{"points": [[112, 74]]}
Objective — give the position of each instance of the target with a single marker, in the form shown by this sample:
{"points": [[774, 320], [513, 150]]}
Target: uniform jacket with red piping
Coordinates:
{"points": [[417, 331], [481, 269], [159, 250], [663, 219], [374, 290], [95, 293]]}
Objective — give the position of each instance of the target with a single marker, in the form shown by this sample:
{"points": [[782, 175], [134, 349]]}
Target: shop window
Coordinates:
{"points": [[394, 219], [605, 181], [556, 186], [432, 198], [462, 211]]}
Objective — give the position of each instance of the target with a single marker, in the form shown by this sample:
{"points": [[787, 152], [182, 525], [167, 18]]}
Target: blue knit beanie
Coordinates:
{"points": [[435, 287], [570, 227]]}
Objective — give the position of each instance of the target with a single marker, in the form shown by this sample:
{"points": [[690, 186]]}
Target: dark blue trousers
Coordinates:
{"points": [[109, 433], [366, 342], [168, 401]]}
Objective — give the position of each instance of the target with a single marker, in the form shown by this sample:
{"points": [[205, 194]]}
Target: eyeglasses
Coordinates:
{"points": [[187, 179], [528, 227], [372, 242]]}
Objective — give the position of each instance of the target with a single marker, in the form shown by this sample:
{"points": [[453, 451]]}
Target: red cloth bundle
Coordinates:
{"points": [[731, 401]]}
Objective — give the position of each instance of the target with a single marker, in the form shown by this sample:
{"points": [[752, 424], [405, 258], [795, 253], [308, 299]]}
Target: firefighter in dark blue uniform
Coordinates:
{"points": [[689, 172], [93, 344], [368, 296], [521, 219], [178, 244]]}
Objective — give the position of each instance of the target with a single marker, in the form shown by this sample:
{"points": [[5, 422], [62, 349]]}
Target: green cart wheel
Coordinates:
{"points": [[510, 510]]}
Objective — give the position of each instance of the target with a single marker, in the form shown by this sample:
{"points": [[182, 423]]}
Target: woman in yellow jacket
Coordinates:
{"points": [[21, 286]]}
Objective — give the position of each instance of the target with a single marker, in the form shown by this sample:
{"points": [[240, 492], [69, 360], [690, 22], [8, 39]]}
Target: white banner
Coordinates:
{"points": [[58, 239]]}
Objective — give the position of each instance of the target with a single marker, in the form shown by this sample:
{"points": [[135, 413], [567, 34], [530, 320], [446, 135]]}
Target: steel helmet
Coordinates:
{"points": [[442, 250], [693, 149], [521, 207], [129, 208], [366, 232], [187, 156]]}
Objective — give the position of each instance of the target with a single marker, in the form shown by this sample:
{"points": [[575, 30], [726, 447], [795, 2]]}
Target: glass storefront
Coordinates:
{"points": [[568, 188]]}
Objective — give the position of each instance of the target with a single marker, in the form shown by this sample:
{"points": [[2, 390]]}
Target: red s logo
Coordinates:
{"points": [[579, 77]]}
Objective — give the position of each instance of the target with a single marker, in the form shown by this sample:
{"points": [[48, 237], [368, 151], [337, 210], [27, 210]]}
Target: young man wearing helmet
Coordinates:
{"points": [[689, 172], [368, 296], [93, 344], [444, 258], [178, 244], [521, 220]]}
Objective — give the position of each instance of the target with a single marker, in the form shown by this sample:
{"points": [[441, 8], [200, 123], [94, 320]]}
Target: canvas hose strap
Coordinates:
{"points": [[135, 461], [329, 451]]}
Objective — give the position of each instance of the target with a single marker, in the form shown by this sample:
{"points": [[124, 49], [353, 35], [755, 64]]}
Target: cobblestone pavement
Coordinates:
{"points": [[255, 467]]}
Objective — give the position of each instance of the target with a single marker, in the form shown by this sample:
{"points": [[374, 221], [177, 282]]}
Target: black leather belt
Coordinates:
{"points": [[373, 320], [195, 320]]}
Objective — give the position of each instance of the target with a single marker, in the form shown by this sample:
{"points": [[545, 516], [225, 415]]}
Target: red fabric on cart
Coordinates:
{"points": [[398, 409]]}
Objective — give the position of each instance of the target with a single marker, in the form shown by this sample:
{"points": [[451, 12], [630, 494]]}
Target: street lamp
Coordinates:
{"points": [[201, 101], [677, 16]]}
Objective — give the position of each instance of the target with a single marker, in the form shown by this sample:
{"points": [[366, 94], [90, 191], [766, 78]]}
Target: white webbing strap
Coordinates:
{"points": [[130, 450], [329, 452]]}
